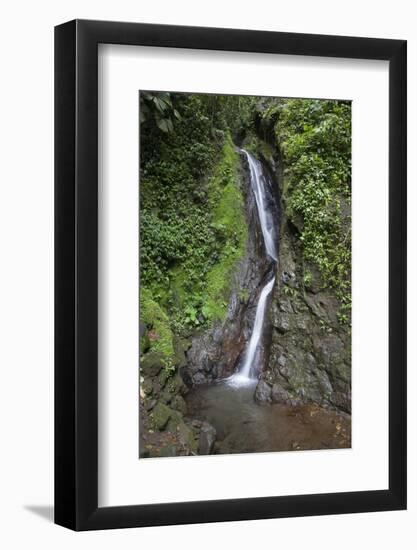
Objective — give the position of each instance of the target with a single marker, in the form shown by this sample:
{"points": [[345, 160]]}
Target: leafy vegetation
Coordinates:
{"points": [[314, 137], [159, 108], [192, 225]]}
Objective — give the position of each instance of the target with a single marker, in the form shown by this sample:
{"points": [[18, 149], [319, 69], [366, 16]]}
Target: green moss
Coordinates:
{"points": [[192, 224], [155, 318], [179, 284], [229, 220], [160, 416], [201, 300]]}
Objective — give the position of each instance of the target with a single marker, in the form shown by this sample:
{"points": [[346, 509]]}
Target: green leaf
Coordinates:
{"points": [[165, 125]]}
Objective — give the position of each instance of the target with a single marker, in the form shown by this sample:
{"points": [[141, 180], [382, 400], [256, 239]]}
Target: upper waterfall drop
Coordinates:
{"points": [[258, 186]]}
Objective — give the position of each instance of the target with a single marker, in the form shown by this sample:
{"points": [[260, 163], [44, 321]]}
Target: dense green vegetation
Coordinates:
{"points": [[192, 224], [192, 221], [314, 137]]}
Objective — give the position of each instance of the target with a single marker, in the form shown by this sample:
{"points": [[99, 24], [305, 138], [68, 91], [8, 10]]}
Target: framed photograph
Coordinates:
{"points": [[230, 248]]}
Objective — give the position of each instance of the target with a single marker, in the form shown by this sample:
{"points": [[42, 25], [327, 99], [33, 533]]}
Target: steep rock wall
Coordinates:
{"points": [[310, 355]]}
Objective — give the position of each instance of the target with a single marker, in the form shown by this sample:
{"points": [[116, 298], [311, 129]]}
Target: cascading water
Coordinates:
{"points": [[258, 184], [257, 330]]}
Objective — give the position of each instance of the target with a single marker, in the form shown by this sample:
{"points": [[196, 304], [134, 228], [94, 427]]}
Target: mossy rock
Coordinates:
{"points": [[180, 346], [160, 416], [156, 386], [166, 396], [164, 376], [178, 403], [147, 386], [151, 363], [189, 438], [168, 450], [177, 425], [176, 384], [175, 420], [153, 316]]}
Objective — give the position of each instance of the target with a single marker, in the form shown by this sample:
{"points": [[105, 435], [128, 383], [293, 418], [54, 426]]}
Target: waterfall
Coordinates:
{"points": [[257, 330], [258, 184]]}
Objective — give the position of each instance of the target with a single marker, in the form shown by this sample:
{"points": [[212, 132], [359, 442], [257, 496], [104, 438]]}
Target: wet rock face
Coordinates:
{"points": [[218, 352], [310, 354]]}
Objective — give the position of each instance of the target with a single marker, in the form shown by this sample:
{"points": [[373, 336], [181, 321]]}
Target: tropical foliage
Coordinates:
{"points": [[192, 222], [314, 137]]}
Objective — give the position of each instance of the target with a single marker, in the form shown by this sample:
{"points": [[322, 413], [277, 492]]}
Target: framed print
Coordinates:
{"points": [[230, 338]]}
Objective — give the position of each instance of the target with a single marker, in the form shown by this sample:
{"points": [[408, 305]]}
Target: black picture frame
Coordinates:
{"points": [[76, 272]]}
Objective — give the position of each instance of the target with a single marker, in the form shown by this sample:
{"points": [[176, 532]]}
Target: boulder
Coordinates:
{"points": [[187, 437], [147, 386], [263, 392], [178, 403], [206, 439], [160, 416], [279, 394], [151, 363]]}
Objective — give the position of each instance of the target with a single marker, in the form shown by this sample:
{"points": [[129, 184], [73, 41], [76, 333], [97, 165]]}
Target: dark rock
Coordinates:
{"points": [[285, 306], [207, 439], [187, 437], [302, 322], [160, 416], [263, 392], [168, 450], [282, 322], [279, 394], [310, 354], [176, 384], [163, 377], [342, 401], [178, 403], [145, 343], [329, 348], [324, 306], [156, 385], [175, 420], [287, 277], [199, 378], [324, 384], [166, 396], [150, 404], [282, 360], [180, 346], [142, 329], [147, 386], [151, 363]]}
